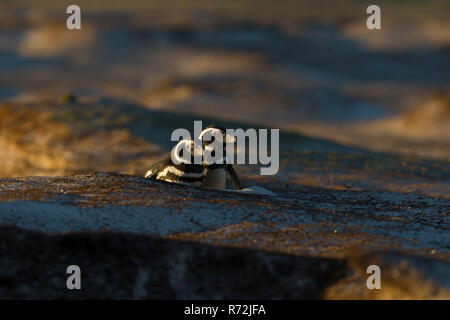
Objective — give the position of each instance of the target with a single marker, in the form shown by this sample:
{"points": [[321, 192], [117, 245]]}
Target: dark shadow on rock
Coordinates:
{"points": [[127, 266]]}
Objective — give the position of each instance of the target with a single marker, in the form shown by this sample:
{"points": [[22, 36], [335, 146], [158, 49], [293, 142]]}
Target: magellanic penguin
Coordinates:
{"points": [[216, 172], [183, 170]]}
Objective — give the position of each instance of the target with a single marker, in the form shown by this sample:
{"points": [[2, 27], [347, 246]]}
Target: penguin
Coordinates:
{"points": [[216, 172], [182, 171]]}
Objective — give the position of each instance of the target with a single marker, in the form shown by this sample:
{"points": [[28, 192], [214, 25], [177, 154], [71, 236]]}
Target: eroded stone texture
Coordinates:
{"points": [[129, 234]]}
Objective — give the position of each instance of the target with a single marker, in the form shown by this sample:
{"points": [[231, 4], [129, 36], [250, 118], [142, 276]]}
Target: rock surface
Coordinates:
{"points": [[135, 238]]}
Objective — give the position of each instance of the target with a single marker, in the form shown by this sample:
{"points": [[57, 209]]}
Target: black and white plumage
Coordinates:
{"points": [[211, 174], [183, 171], [216, 172]]}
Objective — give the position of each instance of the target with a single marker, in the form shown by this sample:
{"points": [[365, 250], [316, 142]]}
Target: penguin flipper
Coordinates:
{"points": [[155, 168], [234, 177]]}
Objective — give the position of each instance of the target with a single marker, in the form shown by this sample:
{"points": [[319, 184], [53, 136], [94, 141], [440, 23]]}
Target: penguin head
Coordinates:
{"points": [[184, 152], [212, 134]]}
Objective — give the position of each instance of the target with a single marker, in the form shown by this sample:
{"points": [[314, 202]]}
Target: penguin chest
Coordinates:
{"points": [[216, 178]]}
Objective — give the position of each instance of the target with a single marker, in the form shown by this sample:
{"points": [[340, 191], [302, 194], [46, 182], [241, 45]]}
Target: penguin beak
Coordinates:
{"points": [[229, 138]]}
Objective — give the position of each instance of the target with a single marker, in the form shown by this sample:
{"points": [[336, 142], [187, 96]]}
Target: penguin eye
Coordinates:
{"points": [[182, 151]]}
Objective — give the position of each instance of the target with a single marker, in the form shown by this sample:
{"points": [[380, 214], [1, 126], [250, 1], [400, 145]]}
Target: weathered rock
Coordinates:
{"points": [[116, 265], [128, 235]]}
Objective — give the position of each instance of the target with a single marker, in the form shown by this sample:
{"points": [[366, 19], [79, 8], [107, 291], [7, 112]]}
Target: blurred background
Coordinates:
{"points": [[356, 107]]}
